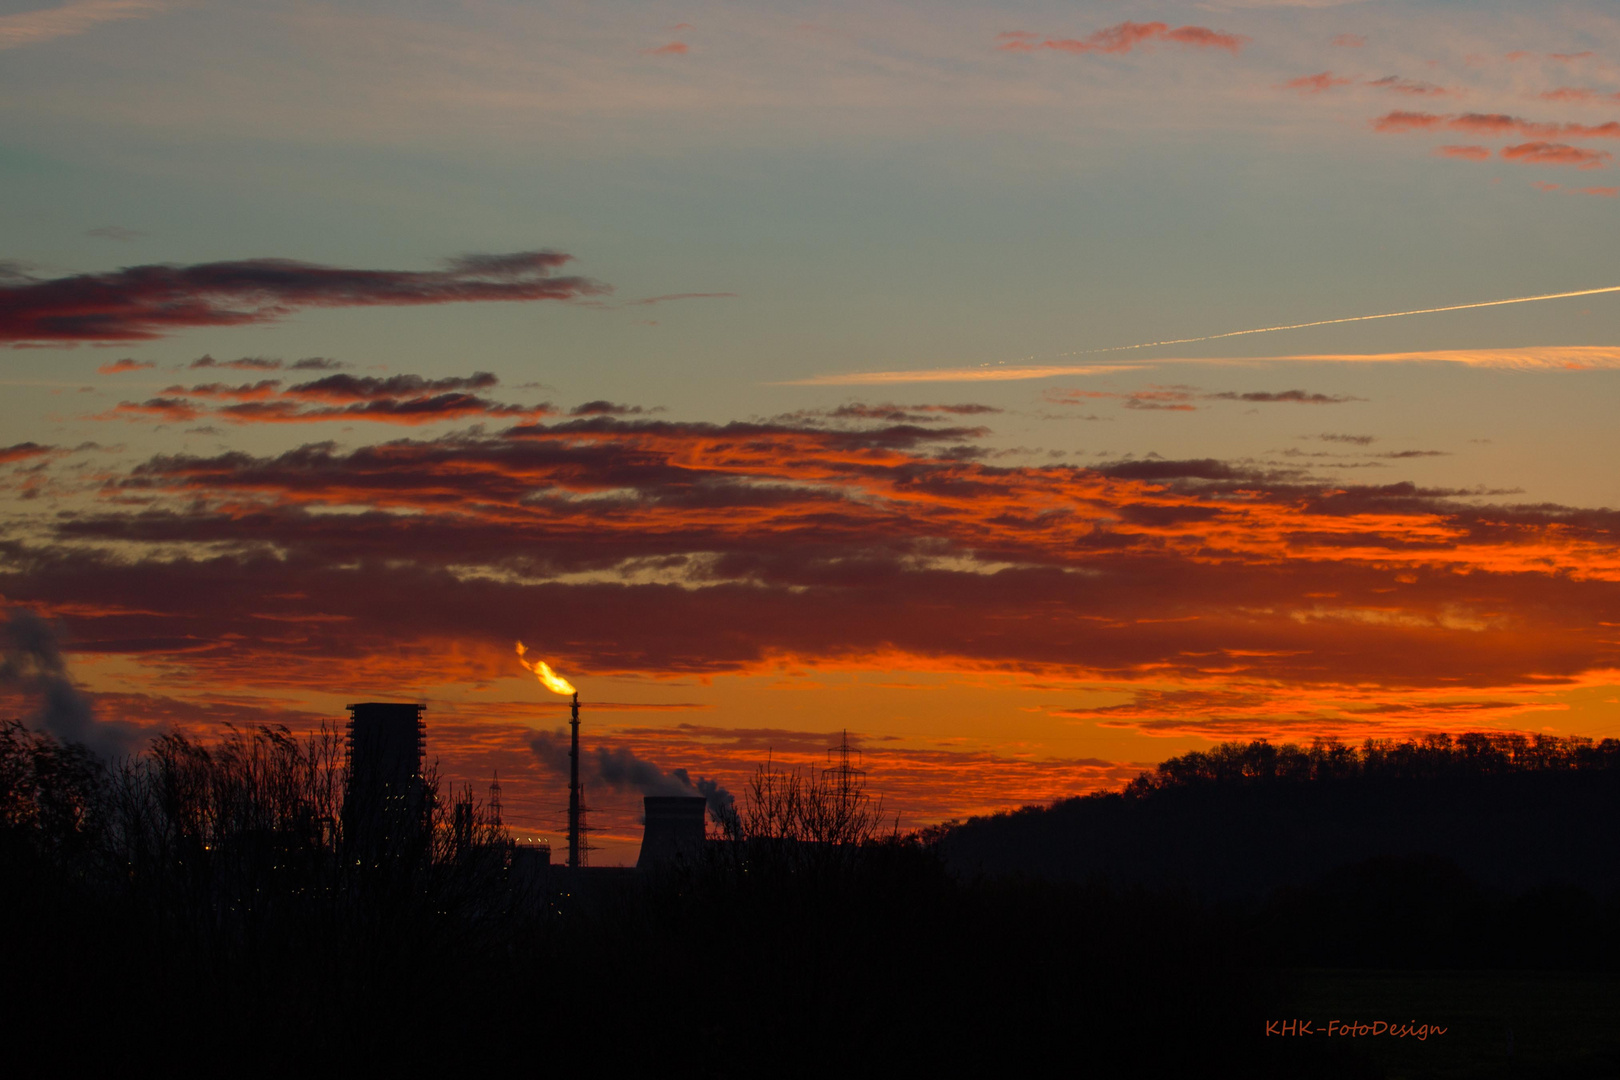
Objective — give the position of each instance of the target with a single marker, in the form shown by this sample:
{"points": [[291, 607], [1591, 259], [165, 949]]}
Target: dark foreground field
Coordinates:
{"points": [[201, 925], [882, 962], [1498, 1023]]}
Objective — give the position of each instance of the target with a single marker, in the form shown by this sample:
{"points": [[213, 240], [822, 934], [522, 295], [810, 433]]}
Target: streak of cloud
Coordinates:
{"points": [[1415, 88], [1600, 356], [143, 303], [970, 374], [114, 232], [397, 399], [118, 367], [1545, 153], [1581, 94], [34, 27], [1123, 38], [1315, 84], [1492, 124], [23, 452], [1181, 398], [647, 301], [1356, 318], [1547, 358]]}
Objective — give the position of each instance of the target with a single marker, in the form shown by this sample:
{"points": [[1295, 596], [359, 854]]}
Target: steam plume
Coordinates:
{"points": [[621, 770], [31, 661]]}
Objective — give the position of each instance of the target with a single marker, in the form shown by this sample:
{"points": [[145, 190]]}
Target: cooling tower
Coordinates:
{"points": [[674, 827]]}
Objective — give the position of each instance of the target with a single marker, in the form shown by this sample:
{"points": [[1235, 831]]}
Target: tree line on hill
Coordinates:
{"points": [[1434, 851], [1432, 757]]}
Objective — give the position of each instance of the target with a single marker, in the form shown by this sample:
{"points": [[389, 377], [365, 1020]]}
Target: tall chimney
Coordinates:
{"points": [[573, 788]]}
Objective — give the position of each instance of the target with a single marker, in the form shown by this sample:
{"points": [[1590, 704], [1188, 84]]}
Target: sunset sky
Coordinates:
{"points": [[776, 369]]}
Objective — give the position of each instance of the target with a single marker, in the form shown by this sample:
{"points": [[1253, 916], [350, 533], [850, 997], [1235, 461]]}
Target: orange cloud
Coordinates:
{"points": [[1407, 121], [1579, 94], [1603, 192], [126, 364], [1468, 153], [1545, 153], [1498, 124], [1123, 38], [667, 547], [674, 48], [1349, 41], [258, 391], [23, 452], [410, 411], [165, 409], [1316, 84], [1545, 358], [1610, 130], [1493, 124]]}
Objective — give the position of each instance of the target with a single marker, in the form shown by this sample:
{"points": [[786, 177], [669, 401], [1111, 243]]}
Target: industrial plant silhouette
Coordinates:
{"points": [[297, 898], [385, 807], [388, 806]]}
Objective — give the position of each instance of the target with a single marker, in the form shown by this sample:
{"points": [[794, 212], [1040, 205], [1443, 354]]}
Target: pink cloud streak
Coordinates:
{"points": [[1125, 37]]}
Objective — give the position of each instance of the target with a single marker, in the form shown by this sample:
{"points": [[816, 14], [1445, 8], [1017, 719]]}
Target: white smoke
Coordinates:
{"points": [[621, 770], [31, 660]]}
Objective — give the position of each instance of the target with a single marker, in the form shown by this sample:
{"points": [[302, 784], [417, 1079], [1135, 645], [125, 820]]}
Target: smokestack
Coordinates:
{"points": [[674, 828], [573, 788]]}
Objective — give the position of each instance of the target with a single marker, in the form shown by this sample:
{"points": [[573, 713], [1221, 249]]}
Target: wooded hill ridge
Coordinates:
{"points": [[1512, 812]]}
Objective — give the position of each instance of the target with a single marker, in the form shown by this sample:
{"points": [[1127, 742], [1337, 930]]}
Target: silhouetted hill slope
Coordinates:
{"points": [[1512, 814]]}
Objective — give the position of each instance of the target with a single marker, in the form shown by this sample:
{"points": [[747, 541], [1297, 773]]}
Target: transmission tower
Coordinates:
{"points": [[847, 781]]}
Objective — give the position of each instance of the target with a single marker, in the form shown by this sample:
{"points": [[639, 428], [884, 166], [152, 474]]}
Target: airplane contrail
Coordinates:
{"points": [[1348, 319], [999, 371]]}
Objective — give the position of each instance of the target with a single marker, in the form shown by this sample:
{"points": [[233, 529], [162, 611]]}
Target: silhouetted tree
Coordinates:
{"points": [[52, 796]]}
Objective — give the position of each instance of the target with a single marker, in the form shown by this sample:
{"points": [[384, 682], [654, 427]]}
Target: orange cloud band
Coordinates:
{"points": [[668, 547]]}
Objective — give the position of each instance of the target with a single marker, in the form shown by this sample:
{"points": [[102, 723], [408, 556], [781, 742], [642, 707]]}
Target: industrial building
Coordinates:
{"points": [[385, 809], [673, 829]]}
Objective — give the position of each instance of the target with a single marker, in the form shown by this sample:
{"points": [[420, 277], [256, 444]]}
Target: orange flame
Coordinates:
{"points": [[548, 678]]}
